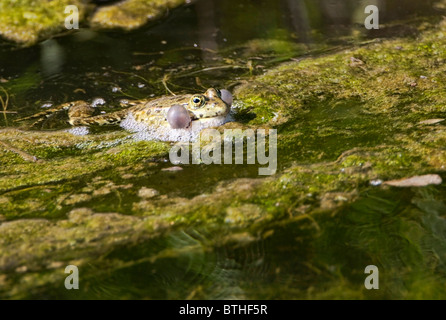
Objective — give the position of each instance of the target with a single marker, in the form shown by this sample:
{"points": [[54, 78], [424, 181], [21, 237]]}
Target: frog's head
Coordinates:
{"points": [[208, 109], [213, 103]]}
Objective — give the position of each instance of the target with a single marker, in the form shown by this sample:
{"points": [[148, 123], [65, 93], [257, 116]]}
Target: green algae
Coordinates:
{"points": [[29, 21], [131, 14], [63, 163], [337, 97], [62, 241]]}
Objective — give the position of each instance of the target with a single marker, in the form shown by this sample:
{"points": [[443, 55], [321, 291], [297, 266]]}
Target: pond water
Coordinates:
{"points": [[208, 43], [224, 43]]}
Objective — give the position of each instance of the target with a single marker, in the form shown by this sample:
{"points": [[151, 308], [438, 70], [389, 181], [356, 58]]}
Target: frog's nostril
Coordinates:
{"points": [[178, 117], [226, 96]]}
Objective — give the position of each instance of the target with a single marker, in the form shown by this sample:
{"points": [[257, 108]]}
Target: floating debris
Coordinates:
{"points": [[376, 182], [416, 181], [175, 168], [431, 121], [147, 193], [355, 62], [25, 156]]}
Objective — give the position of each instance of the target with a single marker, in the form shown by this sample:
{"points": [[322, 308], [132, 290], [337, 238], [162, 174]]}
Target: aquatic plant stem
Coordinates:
{"points": [[4, 103]]}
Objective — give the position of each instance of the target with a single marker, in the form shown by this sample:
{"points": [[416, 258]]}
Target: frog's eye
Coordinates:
{"points": [[197, 101]]}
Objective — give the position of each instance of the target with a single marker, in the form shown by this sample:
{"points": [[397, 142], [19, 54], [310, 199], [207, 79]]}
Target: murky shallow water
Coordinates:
{"points": [[222, 43]]}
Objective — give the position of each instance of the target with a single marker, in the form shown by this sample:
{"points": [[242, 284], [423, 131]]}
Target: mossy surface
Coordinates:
{"points": [[29, 21], [132, 14]]}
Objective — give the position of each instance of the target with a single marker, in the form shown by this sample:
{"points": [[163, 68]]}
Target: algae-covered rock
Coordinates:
{"points": [[28, 21], [132, 14]]}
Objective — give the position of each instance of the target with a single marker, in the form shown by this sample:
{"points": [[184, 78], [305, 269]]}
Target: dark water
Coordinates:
{"points": [[221, 43], [209, 43]]}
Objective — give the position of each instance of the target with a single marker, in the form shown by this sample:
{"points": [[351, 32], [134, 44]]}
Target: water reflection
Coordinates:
{"points": [[206, 29], [299, 19], [52, 58]]}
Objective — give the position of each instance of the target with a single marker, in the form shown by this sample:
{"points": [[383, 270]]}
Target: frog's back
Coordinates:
{"points": [[149, 111]]}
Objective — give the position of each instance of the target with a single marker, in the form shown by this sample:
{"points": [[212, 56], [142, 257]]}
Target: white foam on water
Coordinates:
{"points": [[97, 102], [79, 131], [143, 132], [130, 124]]}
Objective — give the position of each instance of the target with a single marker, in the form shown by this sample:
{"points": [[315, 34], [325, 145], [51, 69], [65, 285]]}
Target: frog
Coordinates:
{"points": [[163, 114]]}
